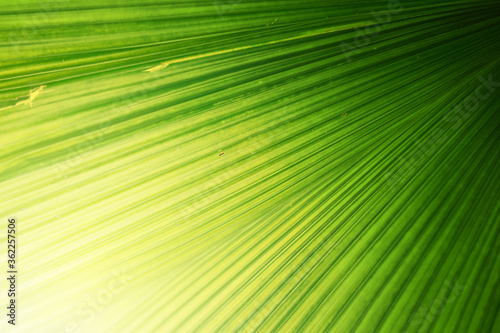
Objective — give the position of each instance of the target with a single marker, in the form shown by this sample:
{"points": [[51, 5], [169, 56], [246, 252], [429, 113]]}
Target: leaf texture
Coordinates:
{"points": [[252, 166]]}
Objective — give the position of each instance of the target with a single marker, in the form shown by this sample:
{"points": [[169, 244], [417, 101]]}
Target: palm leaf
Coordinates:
{"points": [[241, 166]]}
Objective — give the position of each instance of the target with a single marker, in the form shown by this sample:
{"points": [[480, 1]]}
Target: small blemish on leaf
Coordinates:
{"points": [[344, 114], [34, 93], [220, 154], [158, 67]]}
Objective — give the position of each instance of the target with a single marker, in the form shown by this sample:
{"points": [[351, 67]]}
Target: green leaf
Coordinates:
{"points": [[252, 166]]}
